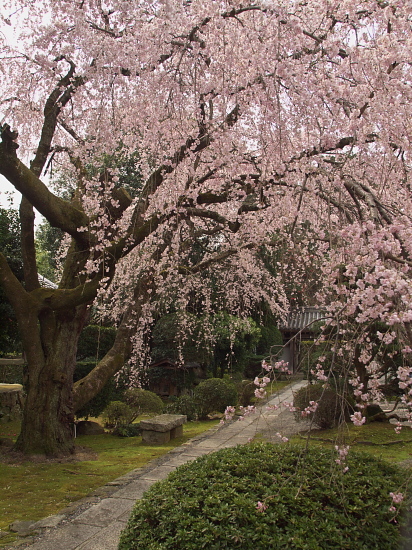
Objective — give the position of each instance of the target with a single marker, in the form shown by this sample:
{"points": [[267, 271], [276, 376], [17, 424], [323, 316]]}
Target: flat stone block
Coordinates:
{"points": [[105, 512], [24, 528], [176, 432], [155, 437], [124, 518], [163, 422]]}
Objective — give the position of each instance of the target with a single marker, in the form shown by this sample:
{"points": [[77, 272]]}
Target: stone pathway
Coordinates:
{"points": [[97, 524]]}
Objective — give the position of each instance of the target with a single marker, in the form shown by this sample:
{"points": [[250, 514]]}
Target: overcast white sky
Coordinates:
{"points": [[8, 35], [4, 187]]}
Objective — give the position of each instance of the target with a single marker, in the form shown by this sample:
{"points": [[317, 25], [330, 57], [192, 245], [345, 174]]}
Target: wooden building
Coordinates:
{"points": [[299, 325]]}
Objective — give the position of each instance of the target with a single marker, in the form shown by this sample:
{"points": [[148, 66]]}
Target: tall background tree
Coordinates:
{"points": [[247, 120]]}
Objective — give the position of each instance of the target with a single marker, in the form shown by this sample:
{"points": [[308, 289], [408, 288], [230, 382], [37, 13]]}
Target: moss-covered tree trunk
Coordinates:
{"points": [[48, 416]]}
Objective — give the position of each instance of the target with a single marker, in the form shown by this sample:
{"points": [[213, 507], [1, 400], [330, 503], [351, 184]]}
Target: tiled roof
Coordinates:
{"points": [[300, 319]]}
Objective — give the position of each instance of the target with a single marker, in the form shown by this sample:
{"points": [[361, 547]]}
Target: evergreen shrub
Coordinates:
{"points": [[334, 407], [185, 404], [214, 394], [308, 503], [117, 414], [143, 401]]}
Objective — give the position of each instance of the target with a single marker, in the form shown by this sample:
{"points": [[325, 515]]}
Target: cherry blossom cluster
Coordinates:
{"points": [[397, 498], [342, 454]]}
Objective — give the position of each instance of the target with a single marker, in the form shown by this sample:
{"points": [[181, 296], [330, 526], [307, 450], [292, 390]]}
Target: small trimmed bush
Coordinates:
{"points": [[183, 405], [214, 394], [308, 503], [143, 401], [333, 407], [117, 414]]}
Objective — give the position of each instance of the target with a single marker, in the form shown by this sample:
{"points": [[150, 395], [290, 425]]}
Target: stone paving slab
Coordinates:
{"points": [[68, 537], [124, 518], [134, 490], [161, 472], [180, 460], [107, 539], [105, 512]]}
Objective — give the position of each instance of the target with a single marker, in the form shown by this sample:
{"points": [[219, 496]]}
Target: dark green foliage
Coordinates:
{"points": [[117, 414], [254, 366], [334, 406], [214, 394], [48, 242], [211, 503], [10, 248], [185, 404], [143, 401], [236, 339], [168, 338], [270, 336], [127, 430], [95, 341], [109, 392]]}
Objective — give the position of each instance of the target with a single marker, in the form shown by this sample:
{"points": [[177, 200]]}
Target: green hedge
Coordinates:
{"points": [[185, 404], [212, 503]]}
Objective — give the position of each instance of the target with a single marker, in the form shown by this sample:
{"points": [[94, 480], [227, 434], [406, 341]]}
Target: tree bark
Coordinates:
{"points": [[48, 415]]}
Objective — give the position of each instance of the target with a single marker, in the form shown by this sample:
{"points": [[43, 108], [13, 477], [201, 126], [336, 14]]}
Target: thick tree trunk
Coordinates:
{"points": [[48, 416], [47, 426]]}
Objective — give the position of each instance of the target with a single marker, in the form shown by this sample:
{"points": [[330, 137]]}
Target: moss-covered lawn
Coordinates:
{"points": [[31, 491], [377, 438]]}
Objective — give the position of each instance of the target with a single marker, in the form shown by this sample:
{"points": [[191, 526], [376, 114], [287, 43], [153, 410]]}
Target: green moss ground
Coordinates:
{"points": [[31, 491], [377, 438]]}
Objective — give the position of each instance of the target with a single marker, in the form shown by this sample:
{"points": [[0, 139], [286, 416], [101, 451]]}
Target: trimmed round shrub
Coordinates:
{"points": [[214, 394], [183, 405], [117, 413], [333, 407], [143, 401], [263, 496]]}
